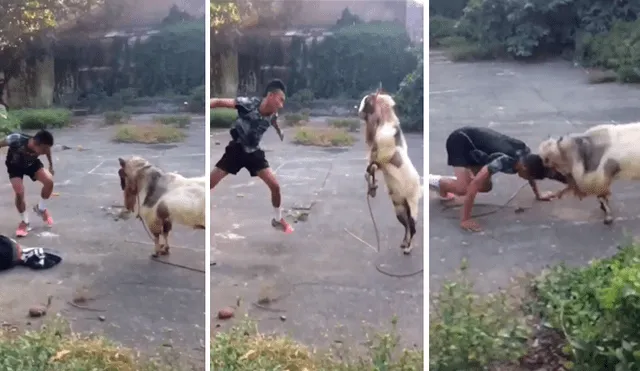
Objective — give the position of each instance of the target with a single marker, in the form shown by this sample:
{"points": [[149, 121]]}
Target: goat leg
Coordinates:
{"points": [[404, 217], [157, 246], [604, 206], [370, 176]]}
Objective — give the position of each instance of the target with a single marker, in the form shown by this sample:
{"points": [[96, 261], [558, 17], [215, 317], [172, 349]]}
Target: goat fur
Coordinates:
{"points": [[388, 152], [175, 198], [619, 147]]}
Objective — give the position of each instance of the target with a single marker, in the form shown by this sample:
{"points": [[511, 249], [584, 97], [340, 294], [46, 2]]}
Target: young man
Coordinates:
{"points": [[22, 159], [255, 116], [478, 153]]}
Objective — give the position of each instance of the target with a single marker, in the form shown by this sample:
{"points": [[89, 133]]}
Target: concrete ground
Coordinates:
{"points": [[529, 102], [144, 303], [325, 278]]}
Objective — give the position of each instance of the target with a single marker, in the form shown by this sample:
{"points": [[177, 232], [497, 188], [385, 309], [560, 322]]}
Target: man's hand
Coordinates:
{"points": [[51, 170], [280, 134]]}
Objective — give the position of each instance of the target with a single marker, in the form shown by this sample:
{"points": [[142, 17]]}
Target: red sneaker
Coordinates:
{"points": [[44, 214], [282, 225], [23, 229]]}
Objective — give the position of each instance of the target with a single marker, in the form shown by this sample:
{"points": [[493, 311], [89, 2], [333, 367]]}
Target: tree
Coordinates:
{"points": [[22, 20]]}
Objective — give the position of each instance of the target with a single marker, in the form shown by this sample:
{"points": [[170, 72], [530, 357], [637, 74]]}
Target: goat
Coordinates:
{"points": [[388, 152], [592, 160], [161, 199]]}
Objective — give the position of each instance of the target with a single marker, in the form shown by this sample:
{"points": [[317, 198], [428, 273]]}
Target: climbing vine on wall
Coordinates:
{"points": [[355, 59], [171, 61]]}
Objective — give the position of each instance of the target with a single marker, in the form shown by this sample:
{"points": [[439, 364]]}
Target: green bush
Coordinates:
{"points": [[597, 308], [447, 8], [525, 29], [410, 98], [296, 119], [302, 97], [468, 332], [116, 117], [351, 125], [181, 121], [222, 117], [171, 61], [355, 59], [440, 28], [33, 119], [617, 50]]}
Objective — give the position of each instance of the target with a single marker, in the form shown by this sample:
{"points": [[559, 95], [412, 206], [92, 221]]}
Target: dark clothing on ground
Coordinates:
{"points": [[21, 160], [473, 147]]}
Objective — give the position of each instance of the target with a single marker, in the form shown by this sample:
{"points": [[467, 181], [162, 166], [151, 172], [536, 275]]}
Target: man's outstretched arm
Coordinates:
{"points": [[222, 103]]}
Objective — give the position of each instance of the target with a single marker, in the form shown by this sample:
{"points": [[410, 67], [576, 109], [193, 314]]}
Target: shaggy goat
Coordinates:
{"points": [[594, 159], [388, 152], [161, 199]]}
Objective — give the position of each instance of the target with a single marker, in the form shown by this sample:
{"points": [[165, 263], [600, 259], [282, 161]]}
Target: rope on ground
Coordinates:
{"points": [[498, 207], [153, 240], [375, 227]]}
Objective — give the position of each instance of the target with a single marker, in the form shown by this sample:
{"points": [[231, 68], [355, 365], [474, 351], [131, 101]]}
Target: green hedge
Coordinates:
{"points": [[171, 61], [222, 117], [410, 97], [33, 119], [352, 61]]}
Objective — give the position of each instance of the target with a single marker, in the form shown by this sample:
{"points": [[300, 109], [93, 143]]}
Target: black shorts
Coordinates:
{"points": [[19, 171], [235, 158], [459, 149]]}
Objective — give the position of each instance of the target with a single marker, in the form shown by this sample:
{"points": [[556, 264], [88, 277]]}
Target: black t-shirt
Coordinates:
{"points": [[19, 153], [500, 152]]}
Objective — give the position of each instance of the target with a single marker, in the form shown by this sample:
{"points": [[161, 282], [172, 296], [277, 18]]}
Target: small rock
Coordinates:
{"points": [[218, 325], [65, 147], [102, 318], [37, 311], [217, 143], [225, 313], [283, 318]]}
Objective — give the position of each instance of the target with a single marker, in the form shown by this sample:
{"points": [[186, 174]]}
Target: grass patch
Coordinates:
{"points": [[50, 118], [148, 134], [54, 348], [323, 137], [244, 348], [471, 332], [569, 318], [181, 121], [116, 118], [296, 119], [222, 118], [602, 76], [351, 125]]}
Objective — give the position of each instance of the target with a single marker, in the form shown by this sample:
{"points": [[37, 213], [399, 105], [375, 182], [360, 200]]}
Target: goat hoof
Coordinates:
{"points": [[608, 221], [155, 255]]}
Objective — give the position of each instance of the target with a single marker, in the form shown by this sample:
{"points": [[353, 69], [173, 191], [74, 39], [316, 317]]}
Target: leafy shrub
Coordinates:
{"points": [[323, 137], [116, 117], [181, 121], [50, 118], [440, 28], [597, 308], [410, 98], [526, 29], [171, 61], [351, 125], [468, 332], [302, 97], [353, 59], [222, 117], [296, 119], [447, 8]]}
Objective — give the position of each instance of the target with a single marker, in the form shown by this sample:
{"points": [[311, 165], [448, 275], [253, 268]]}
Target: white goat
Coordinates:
{"points": [[161, 199], [388, 152], [594, 159]]}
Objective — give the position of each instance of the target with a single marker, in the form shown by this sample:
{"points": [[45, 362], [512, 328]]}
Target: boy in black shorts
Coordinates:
{"points": [[22, 159], [476, 154], [255, 116]]}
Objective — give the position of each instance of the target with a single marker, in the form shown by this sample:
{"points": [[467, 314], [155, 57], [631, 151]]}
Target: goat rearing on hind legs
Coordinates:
{"points": [[388, 153]]}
